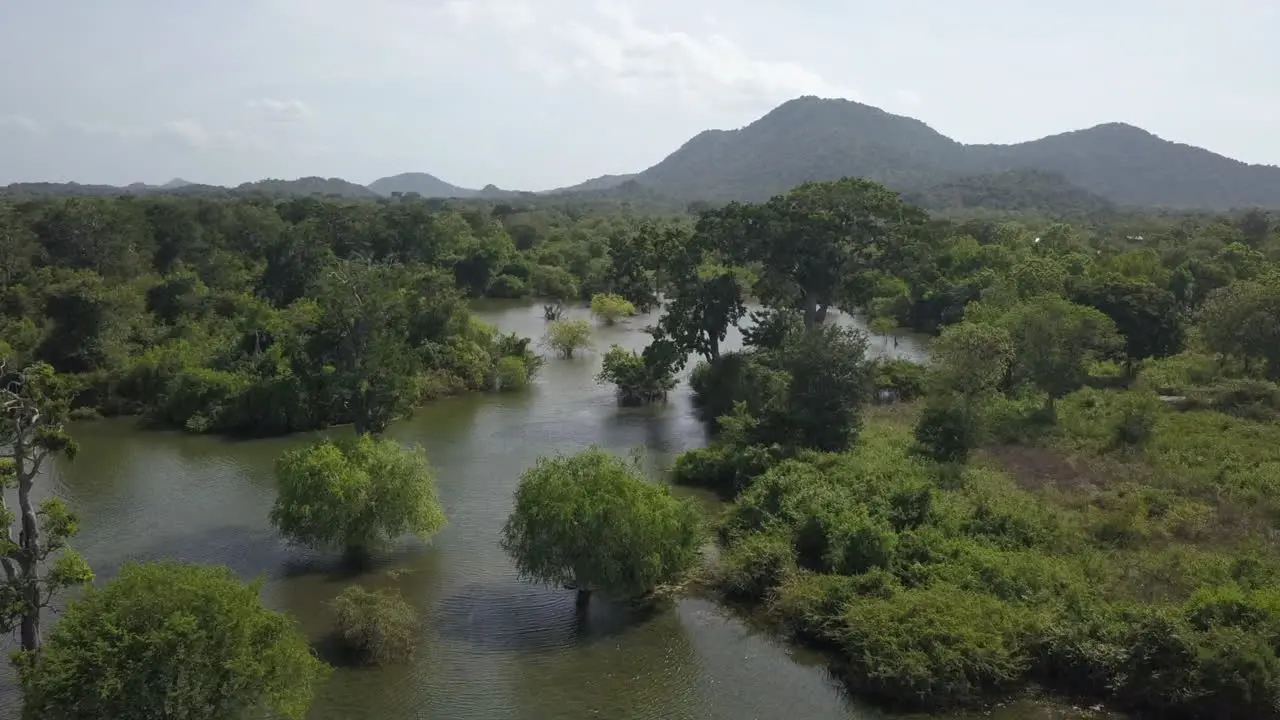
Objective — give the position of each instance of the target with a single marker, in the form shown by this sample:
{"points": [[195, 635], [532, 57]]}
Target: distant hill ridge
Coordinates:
{"points": [[810, 138]]}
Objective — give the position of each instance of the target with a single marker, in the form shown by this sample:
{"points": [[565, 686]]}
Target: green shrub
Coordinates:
{"points": [[946, 433], [905, 378], [512, 374], [1177, 374], [755, 567], [611, 308], [376, 626], [934, 647]]}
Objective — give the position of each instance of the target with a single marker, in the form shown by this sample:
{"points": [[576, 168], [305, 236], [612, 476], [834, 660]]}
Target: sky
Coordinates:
{"points": [[536, 94]]}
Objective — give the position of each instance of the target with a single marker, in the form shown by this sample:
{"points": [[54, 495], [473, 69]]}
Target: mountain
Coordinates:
{"points": [[604, 182], [307, 186], [1010, 191], [428, 186], [818, 139]]}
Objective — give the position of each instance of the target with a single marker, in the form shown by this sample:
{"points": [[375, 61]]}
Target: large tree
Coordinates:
{"points": [[37, 563], [1242, 320], [172, 640], [355, 495], [810, 243], [1054, 340], [591, 521]]}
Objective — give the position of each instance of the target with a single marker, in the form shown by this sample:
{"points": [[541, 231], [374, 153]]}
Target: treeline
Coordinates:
{"points": [[260, 317]]}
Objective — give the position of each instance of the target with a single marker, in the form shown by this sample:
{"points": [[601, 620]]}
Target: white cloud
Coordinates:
{"points": [[557, 41], [614, 49], [281, 111], [22, 123]]}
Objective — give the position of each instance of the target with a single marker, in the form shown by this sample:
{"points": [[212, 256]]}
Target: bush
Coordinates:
{"points": [[1135, 419], [933, 647], [512, 374], [945, 432], [904, 379], [507, 286], [377, 627], [755, 567], [172, 640], [611, 308], [566, 337]]}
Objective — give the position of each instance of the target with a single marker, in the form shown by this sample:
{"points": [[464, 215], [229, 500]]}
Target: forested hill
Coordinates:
{"points": [[809, 138], [817, 139]]}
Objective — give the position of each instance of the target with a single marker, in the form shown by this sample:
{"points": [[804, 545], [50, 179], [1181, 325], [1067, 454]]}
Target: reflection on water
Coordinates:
{"points": [[492, 646]]}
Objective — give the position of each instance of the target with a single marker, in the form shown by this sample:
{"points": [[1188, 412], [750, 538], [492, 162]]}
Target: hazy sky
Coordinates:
{"points": [[532, 94]]}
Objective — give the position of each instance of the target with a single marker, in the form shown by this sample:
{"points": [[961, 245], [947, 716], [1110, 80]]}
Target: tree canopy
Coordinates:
{"points": [[355, 495], [170, 639], [591, 520]]}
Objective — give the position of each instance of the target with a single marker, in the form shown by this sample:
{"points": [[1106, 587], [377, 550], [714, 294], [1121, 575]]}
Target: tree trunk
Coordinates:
{"points": [[583, 598], [28, 545]]}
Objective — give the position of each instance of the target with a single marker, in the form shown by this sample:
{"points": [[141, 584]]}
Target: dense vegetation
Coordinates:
{"points": [[1079, 490], [261, 317], [1043, 515]]}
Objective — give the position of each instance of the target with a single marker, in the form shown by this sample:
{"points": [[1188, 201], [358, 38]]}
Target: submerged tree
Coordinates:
{"points": [[591, 521], [31, 431], [566, 337], [644, 377], [355, 495], [172, 640], [376, 626], [611, 308]]}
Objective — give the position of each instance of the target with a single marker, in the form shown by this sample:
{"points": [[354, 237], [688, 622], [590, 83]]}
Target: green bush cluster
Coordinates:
{"points": [[939, 594]]}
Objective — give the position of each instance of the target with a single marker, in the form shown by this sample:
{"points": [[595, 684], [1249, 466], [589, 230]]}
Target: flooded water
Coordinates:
{"points": [[492, 647]]}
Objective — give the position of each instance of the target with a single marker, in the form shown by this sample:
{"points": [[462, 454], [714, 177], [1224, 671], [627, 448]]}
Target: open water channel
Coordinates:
{"points": [[493, 647]]}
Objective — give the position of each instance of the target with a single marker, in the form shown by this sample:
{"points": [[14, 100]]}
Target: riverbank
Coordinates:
{"points": [[1140, 577]]}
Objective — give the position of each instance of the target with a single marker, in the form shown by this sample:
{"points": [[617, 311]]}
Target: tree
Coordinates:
{"points": [[591, 520], [1054, 340], [363, 337], [810, 242], [568, 336], [828, 381], [1242, 320], [706, 303], [38, 564], [1147, 316], [356, 495], [172, 640], [971, 359], [642, 378], [632, 257], [377, 626], [611, 308]]}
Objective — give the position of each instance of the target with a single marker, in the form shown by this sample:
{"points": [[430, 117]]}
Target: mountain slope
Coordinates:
{"points": [[307, 186], [604, 182], [1014, 190], [426, 185], [816, 139], [806, 139]]}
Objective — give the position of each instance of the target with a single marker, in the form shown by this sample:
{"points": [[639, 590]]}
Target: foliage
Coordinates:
{"points": [[904, 378], [38, 564], [1242, 321], [568, 336], [377, 626], [355, 495], [639, 378], [591, 520], [513, 374], [611, 308], [169, 639]]}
